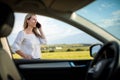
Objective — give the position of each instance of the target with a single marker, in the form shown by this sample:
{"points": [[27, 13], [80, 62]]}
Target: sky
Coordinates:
{"points": [[102, 11], [105, 13]]}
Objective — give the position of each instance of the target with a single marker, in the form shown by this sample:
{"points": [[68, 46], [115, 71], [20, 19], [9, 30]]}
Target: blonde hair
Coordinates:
{"points": [[25, 25]]}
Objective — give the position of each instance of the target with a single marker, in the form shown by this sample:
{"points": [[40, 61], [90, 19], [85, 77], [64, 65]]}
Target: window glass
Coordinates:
{"points": [[105, 14], [64, 41]]}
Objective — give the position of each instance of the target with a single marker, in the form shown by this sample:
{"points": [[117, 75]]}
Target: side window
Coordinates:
{"points": [[64, 41]]}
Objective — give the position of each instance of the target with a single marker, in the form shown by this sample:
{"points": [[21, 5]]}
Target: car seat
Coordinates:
{"points": [[8, 70]]}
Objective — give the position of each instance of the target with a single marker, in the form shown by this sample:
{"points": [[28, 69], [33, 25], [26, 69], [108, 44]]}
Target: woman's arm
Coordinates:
{"points": [[41, 33], [25, 56], [16, 46], [43, 38]]}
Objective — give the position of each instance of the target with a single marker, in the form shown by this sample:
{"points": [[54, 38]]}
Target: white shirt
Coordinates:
{"points": [[28, 44]]}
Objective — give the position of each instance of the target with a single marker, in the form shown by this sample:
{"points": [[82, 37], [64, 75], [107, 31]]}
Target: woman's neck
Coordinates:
{"points": [[28, 30]]}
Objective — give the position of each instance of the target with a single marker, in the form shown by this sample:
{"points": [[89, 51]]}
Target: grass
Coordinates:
{"points": [[63, 55], [67, 55]]}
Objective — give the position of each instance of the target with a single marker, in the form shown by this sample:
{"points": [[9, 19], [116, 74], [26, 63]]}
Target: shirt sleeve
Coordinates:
{"points": [[42, 41], [17, 43]]}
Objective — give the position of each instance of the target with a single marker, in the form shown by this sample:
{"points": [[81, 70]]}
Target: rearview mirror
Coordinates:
{"points": [[94, 49]]}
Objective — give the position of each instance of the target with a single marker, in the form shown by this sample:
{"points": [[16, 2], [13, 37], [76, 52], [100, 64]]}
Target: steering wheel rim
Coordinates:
{"points": [[101, 68]]}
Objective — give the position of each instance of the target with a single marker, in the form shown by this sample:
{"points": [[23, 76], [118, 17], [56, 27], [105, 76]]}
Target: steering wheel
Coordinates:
{"points": [[104, 63]]}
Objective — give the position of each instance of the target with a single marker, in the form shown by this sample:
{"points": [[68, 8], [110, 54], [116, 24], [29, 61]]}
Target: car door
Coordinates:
{"points": [[52, 69]]}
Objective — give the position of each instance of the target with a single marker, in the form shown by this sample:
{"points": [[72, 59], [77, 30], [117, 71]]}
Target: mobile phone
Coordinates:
{"points": [[38, 25]]}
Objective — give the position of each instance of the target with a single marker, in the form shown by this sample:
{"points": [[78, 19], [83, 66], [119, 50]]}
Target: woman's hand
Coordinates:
{"points": [[26, 56]]}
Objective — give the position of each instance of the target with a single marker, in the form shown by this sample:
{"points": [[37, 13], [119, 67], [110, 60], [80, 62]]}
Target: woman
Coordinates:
{"points": [[27, 42]]}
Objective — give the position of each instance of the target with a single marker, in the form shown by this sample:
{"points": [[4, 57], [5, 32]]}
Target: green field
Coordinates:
{"points": [[64, 51], [63, 55]]}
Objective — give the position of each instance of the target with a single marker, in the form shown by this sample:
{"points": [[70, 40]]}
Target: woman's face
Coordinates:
{"points": [[32, 21]]}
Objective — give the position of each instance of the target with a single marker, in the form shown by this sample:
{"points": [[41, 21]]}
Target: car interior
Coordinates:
{"points": [[20, 69], [8, 69], [31, 69]]}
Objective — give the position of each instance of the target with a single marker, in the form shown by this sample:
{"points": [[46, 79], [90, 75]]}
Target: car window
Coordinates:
{"points": [[105, 14], [64, 41]]}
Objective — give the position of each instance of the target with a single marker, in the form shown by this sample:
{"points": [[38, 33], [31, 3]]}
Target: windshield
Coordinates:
{"points": [[104, 13]]}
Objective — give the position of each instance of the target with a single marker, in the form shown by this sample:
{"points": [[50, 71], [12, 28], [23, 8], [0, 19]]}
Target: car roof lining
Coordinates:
{"points": [[55, 5]]}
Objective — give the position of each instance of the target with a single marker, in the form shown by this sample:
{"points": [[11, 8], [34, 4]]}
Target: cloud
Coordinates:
{"points": [[56, 32], [116, 13], [114, 20], [84, 11], [105, 5], [55, 29]]}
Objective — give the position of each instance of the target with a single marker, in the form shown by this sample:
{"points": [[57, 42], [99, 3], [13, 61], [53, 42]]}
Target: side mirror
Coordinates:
{"points": [[94, 49]]}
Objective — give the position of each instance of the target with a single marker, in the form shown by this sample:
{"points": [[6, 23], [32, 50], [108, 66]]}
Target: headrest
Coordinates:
{"points": [[6, 20]]}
